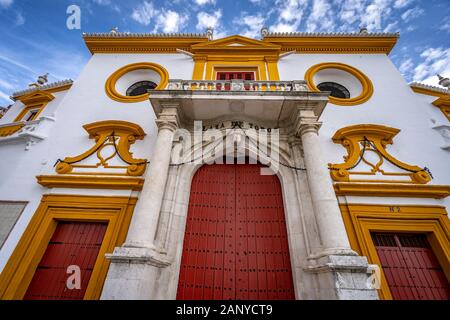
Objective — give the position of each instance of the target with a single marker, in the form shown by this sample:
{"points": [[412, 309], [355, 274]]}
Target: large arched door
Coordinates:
{"points": [[235, 245]]}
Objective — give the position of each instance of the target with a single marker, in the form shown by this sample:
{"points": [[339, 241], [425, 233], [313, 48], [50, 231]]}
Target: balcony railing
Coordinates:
{"points": [[237, 85]]}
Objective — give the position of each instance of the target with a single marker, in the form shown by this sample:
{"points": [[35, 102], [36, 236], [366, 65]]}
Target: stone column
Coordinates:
{"points": [[329, 219], [146, 214], [339, 272], [136, 266]]}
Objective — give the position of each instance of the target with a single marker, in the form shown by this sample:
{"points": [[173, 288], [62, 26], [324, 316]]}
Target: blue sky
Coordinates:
{"points": [[34, 38]]}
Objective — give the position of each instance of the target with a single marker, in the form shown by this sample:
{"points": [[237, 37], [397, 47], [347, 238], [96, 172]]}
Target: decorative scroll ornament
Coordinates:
{"points": [[367, 142], [113, 139]]}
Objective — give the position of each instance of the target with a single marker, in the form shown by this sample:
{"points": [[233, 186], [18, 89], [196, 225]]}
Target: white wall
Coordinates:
{"points": [[393, 104], [84, 103]]}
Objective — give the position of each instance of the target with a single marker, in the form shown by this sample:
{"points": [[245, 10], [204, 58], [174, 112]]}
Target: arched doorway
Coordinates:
{"points": [[235, 244]]}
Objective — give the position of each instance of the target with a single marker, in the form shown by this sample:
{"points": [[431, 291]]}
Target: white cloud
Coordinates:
{"points": [[206, 20], [145, 13], [170, 21], [435, 61], [374, 13], [321, 16], [290, 15], [252, 24], [6, 3], [351, 11], [411, 14], [391, 27], [398, 4], [445, 26], [5, 97], [406, 66], [20, 19], [203, 2]]}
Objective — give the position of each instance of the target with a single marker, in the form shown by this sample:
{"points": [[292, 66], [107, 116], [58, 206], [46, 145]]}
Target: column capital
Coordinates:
{"points": [[168, 117], [307, 125]]}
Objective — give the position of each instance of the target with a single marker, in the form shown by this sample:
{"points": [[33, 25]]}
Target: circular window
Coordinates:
{"points": [[337, 90], [141, 87], [132, 82], [348, 85]]}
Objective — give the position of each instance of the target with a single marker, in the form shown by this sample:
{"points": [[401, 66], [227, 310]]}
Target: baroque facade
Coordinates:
{"points": [[298, 166]]}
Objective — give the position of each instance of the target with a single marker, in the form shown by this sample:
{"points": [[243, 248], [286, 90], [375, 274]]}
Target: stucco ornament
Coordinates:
{"points": [[367, 157]]}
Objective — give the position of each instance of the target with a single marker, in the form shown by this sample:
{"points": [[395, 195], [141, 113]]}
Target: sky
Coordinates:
{"points": [[34, 38]]}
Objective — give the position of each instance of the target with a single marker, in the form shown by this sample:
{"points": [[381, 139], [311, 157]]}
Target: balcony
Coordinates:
{"points": [[270, 102], [29, 132]]}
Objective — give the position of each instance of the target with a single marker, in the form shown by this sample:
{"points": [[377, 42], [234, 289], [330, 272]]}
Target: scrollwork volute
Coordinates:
{"points": [[117, 136], [362, 140]]}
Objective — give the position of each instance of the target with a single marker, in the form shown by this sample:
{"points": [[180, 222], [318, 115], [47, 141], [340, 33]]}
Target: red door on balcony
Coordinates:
{"points": [[235, 75], [72, 244], [235, 245], [411, 267]]}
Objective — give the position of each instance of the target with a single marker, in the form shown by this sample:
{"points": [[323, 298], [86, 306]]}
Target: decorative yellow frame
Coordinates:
{"points": [[34, 101], [125, 132], [443, 104], [236, 53], [10, 130], [20, 269], [363, 219], [367, 86], [379, 137], [110, 86]]}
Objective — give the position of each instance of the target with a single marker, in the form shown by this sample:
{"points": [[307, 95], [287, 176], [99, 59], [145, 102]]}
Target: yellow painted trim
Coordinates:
{"points": [[101, 132], [366, 84], [35, 100], [144, 44], [350, 138], [248, 54], [91, 182], [362, 219], [443, 103], [340, 45], [110, 85], [391, 190], [11, 129], [429, 92], [19, 271], [49, 90]]}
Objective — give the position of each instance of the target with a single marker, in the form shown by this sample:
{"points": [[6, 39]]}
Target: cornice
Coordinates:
{"points": [[359, 43], [141, 43], [429, 90], [49, 88]]}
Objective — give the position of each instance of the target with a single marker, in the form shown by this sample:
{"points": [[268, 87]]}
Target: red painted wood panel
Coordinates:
{"points": [[234, 76], [73, 243], [235, 245], [411, 268]]}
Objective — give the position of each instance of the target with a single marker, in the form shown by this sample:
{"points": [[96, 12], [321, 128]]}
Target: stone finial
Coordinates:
{"points": [[210, 33], [363, 30], [445, 82], [114, 30], [41, 80], [264, 32]]}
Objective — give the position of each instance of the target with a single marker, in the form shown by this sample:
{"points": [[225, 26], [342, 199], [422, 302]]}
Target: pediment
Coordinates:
{"points": [[37, 97], [235, 43]]}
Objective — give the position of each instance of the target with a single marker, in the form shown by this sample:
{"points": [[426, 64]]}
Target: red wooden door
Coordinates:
{"points": [[411, 268], [235, 245], [233, 76], [73, 243]]}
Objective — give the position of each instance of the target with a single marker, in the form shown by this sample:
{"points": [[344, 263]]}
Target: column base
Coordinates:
{"points": [[343, 277], [133, 273]]}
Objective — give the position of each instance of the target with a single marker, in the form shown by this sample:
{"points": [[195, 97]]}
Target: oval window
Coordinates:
{"points": [[337, 90], [140, 88]]}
